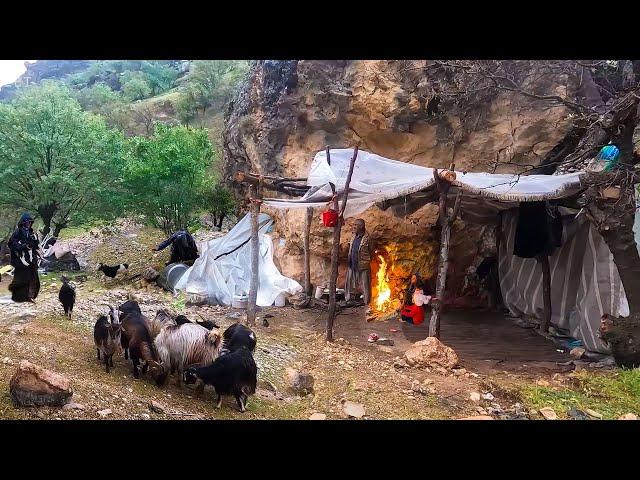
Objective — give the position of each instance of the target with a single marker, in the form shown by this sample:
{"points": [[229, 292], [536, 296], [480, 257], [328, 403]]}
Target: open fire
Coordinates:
{"points": [[382, 286]]}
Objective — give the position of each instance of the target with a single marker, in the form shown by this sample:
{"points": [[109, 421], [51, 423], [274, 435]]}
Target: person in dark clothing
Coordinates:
{"points": [[24, 247], [183, 248]]}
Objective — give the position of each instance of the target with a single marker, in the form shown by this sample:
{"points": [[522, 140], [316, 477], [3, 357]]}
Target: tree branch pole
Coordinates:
{"points": [[335, 250], [253, 286], [446, 222], [307, 255], [546, 291]]}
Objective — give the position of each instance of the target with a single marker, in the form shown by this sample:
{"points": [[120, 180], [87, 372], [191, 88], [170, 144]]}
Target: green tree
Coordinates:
{"points": [[211, 83], [97, 97], [57, 160], [220, 203], [165, 174], [135, 86], [159, 75]]}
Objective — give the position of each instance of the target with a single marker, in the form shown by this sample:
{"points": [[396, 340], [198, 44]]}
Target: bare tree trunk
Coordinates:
{"points": [[446, 222], [307, 254], [335, 249], [253, 286]]}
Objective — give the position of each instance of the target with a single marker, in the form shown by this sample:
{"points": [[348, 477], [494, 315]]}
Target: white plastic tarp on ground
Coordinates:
{"points": [[219, 275], [376, 178]]}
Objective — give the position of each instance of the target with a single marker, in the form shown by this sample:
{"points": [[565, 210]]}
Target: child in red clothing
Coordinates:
{"points": [[415, 299]]}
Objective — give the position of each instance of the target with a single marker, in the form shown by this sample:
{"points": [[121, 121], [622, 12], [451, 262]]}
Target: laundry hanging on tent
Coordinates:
{"points": [[539, 230]]}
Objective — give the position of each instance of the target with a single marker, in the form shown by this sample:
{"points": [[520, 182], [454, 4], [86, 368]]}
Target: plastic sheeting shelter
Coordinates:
{"points": [[224, 267], [584, 278]]}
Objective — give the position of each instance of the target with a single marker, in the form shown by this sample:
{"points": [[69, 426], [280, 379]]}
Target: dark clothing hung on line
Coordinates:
{"points": [[539, 231]]}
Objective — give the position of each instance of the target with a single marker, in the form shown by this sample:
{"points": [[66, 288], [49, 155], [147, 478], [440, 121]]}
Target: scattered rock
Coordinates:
{"points": [[577, 352], [300, 382], [488, 396], [548, 413], [459, 371], [156, 407], [73, 406], [477, 417], [104, 413], [33, 385], [430, 352], [318, 416], [593, 413], [628, 416], [576, 414], [351, 409], [145, 416], [417, 387], [7, 361], [481, 410], [385, 341], [475, 397], [267, 385], [542, 383]]}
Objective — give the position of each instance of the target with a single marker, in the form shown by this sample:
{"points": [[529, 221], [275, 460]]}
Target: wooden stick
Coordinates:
{"points": [[335, 249], [253, 286], [307, 255], [446, 222], [546, 291]]}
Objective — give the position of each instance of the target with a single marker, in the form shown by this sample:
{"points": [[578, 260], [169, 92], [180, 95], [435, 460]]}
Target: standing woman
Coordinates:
{"points": [[24, 257]]}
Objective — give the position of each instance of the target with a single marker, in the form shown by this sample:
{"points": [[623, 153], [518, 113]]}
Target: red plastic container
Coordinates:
{"points": [[330, 218]]}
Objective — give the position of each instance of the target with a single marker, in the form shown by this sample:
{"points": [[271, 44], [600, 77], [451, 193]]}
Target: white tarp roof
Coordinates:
{"points": [[376, 179], [224, 267]]}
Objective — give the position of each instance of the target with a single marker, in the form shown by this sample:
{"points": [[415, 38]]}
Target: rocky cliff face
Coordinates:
{"points": [[289, 110]]}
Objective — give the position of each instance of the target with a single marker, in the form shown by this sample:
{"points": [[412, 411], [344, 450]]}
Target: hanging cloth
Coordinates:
{"points": [[539, 230]]}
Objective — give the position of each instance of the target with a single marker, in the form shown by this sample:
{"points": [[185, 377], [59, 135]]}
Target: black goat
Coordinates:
{"points": [[130, 306], [67, 296], [136, 339], [106, 335], [111, 272], [236, 336], [208, 324], [232, 374]]}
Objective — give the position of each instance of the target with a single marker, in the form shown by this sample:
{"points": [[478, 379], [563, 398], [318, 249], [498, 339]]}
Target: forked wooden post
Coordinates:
{"points": [[253, 286], [335, 249], [446, 222], [307, 255]]}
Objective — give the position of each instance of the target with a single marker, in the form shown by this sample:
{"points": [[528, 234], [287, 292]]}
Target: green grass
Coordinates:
{"points": [[611, 394]]}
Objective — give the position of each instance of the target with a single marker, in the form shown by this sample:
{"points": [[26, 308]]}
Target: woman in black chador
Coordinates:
{"points": [[24, 258]]}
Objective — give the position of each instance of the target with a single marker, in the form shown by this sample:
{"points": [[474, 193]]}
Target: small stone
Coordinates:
{"points": [[385, 342], [105, 412], [33, 385], [477, 417], [488, 396], [427, 381], [542, 383], [593, 413], [300, 382], [459, 371], [318, 416], [156, 407], [577, 352], [548, 413], [351, 409], [481, 410], [7, 361], [628, 416], [474, 375], [73, 406], [475, 397], [145, 416]]}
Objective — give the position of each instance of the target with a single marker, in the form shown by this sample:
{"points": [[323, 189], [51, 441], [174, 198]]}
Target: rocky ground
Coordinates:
{"points": [[351, 378]]}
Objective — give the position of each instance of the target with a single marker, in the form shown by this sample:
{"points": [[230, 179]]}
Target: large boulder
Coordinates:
{"points": [[300, 382], [430, 352], [33, 386]]}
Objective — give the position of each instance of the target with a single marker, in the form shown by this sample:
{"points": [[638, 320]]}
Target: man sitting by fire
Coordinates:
{"points": [[414, 301]]}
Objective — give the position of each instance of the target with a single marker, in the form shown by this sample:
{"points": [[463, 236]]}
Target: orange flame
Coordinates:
{"points": [[384, 291]]}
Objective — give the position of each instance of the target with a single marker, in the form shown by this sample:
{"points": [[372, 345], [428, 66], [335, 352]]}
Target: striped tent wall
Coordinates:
{"points": [[584, 281]]}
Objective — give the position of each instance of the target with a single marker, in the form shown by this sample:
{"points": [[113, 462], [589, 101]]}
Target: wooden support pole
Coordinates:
{"points": [[335, 249], [307, 254], [255, 247], [446, 222], [546, 292]]}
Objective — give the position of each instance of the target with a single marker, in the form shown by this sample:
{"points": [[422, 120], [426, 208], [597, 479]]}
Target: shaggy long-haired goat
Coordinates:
{"points": [[136, 338], [189, 344]]}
